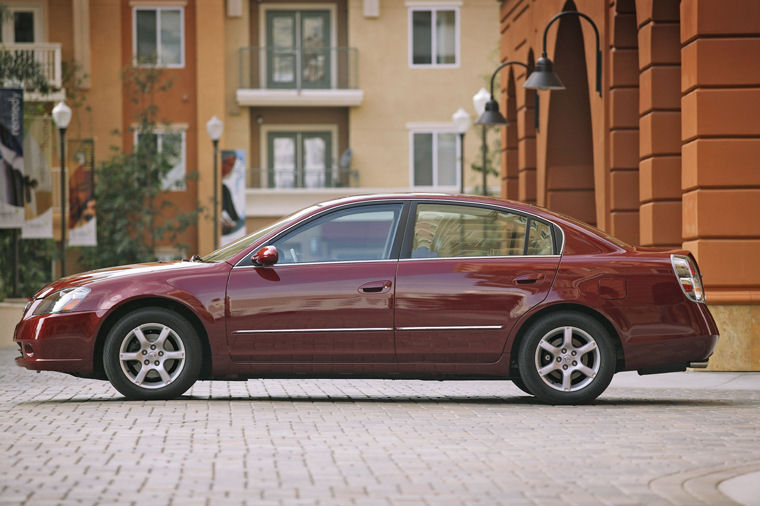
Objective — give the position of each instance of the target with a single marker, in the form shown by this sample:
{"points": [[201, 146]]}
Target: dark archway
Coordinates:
{"points": [[569, 148]]}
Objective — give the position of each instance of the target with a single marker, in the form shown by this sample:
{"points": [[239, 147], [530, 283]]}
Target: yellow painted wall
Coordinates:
{"points": [[395, 94], [237, 123]]}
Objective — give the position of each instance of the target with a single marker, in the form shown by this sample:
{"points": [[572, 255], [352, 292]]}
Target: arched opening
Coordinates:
{"points": [[570, 157]]}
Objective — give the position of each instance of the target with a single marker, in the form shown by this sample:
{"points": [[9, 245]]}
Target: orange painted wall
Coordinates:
{"points": [[176, 105]]}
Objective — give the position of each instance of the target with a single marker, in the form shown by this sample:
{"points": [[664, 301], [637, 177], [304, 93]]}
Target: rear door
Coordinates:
{"points": [[467, 273]]}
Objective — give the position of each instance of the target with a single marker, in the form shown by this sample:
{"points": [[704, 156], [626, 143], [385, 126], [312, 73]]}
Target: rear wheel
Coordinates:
{"points": [[566, 358], [152, 353], [518, 382]]}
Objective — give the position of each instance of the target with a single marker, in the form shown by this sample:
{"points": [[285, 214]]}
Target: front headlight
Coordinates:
{"points": [[62, 300]]}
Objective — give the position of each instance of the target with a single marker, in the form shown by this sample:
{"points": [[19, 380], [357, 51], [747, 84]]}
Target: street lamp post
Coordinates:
{"points": [[62, 117], [461, 122], [479, 102], [215, 127]]}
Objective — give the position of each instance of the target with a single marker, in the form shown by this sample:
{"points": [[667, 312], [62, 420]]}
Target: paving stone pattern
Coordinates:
{"points": [[65, 440]]}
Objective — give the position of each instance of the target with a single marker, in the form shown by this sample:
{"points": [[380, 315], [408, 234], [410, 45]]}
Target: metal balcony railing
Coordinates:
{"points": [[48, 55], [301, 68], [285, 179]]}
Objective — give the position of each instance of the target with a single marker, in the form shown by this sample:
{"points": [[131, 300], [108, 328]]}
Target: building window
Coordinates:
{"points": [[300, 159], [159, 36], [21, 25], [434, 37], [434, 157], [173, 144]]}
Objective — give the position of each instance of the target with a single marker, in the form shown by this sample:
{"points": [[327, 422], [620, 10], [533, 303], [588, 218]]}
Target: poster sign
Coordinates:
{"points": [[82, 221], [38, 193], [12, 183], [233, 195]]}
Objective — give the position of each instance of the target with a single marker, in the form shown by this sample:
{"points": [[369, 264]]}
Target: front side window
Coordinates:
{"points": [[434, 159], [359, 233], [158, 35], [434, 37], [172, 144], [447, 230]]}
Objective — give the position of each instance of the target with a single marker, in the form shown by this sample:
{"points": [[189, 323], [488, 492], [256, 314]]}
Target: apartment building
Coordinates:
{"points": [[325, 97]]}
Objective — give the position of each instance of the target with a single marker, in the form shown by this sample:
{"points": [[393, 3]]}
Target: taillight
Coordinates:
{"points": [[688, 277]]}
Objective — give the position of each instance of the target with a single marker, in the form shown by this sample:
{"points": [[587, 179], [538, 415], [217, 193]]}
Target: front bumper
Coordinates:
{"points": [[57, 342]]}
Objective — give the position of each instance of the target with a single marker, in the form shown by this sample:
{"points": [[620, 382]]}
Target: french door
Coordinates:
{"points": [[299, 159], [298, 49]]}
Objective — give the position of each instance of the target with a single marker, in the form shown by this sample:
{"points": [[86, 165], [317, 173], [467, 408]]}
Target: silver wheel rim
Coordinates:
{"points": [[567, 359], [152, 355]]}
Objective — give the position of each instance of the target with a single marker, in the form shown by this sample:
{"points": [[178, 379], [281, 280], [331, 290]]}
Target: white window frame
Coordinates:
{"points": [[176, 183], [39, 21], [433, 8], [158, 10], [435, 129]]}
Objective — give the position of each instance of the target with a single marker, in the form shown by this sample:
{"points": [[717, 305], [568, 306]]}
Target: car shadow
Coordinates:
{"points": [[516, 400]]}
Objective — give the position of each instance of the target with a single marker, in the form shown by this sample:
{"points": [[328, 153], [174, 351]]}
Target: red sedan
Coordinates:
{"points": [[388, 286]]}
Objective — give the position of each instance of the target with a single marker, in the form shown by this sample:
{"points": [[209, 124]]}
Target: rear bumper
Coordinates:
{"points": [[57, 342]]}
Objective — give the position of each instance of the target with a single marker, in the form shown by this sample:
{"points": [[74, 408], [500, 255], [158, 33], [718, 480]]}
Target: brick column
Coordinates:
{"points": [[509, 165], [659, 122], [721, 144], [623, 110], [526, 140]]}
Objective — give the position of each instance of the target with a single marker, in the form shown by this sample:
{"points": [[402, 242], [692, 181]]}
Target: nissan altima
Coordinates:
{"points": [[385, 286]]}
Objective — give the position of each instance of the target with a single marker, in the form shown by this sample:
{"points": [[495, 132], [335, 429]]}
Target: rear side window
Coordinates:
{"points": [[540, 240], [358, 233], [446, 230]]}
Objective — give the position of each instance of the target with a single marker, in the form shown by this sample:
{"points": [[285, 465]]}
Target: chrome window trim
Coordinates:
{"points": [[455, 327], [286, 331], [479, 257], [326, 262]]}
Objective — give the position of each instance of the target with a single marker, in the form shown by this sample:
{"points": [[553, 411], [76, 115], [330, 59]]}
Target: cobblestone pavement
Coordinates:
{"points": [[66, 440]]}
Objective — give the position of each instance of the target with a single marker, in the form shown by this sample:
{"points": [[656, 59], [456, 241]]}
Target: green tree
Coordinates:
{"points": [[133, 211]]}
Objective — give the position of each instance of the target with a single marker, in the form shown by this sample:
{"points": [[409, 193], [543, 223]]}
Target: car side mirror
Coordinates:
{"points": [[266, 256]]}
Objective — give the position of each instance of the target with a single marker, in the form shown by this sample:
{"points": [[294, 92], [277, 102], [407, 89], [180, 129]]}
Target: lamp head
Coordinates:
{"points": [[543, 76], [491, 115], [215, 127], [479, 101], [461, 120], [62, 115]]}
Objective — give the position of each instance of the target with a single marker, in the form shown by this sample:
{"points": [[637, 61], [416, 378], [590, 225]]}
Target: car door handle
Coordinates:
{"points": [[375, 287], [527, 279]]}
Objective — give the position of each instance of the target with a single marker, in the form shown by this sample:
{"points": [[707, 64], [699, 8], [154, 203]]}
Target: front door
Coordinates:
{"points": [[466, 275], [330, 297]]}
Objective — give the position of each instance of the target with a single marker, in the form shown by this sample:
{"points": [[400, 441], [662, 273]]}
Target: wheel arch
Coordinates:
{"points": [[567, 306], [147, 302]]}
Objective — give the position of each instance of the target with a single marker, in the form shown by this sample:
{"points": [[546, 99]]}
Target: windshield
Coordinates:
{"points": [[233, 248]]}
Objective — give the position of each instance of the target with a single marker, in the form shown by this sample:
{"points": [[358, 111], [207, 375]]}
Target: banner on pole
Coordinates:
{"points": [[38, 197], [233, 195], [12, 183], [82, 220]]}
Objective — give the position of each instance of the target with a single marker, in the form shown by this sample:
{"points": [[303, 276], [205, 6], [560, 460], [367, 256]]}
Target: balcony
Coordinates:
{"points": [[48, 55], [279, 192], [299, 77]]}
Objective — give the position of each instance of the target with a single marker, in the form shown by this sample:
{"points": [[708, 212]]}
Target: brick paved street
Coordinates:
{"points": [[68, 440]]}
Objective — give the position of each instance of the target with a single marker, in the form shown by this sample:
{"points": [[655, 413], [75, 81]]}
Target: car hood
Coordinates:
{"points": [[134, 270]]}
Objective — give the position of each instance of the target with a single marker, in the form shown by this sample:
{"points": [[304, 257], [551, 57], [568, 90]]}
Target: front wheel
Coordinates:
{"points": [[152, 353], [566, 358]]}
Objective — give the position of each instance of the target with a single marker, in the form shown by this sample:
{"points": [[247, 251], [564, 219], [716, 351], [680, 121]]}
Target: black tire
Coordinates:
{"points": [[166, 355], [562, 373], [518, 382]]}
